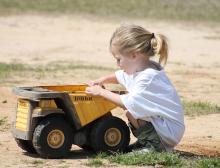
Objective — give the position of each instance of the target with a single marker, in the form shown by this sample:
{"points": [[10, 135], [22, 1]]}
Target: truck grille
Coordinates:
{"points": [[22, 115]]}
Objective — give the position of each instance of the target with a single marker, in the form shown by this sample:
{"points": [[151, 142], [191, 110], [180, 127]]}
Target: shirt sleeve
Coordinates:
{"points": [[136, 105], [120, 76], [136, 101], [152, 100]]}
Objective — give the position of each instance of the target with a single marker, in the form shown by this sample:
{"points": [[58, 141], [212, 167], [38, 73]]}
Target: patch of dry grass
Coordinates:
{"points": [[200, 10]]}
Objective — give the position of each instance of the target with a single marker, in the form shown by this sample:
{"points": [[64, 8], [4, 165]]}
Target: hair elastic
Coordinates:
{"points": [[152, 36]]}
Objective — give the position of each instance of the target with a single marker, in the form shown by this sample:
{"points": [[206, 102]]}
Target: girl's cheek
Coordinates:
{"points": [[120, 65]]}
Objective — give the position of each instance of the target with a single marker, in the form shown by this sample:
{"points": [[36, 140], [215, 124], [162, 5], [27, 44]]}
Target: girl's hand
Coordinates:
{"points": [[95, 82], [94, 90], [104, 80], [99, 91]]}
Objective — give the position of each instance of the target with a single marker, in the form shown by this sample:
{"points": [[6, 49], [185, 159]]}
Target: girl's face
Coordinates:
{"points": [[125, 62]]}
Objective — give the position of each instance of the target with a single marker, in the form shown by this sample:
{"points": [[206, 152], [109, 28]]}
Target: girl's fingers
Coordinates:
{"points": [[94, 90], [88, 90], [90, 83]]}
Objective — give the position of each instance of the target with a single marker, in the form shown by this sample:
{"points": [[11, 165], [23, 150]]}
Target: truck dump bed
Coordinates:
{"points": [[72, 99]]}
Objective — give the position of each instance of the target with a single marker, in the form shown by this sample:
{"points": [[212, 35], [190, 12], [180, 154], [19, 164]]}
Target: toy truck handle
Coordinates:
{"points": [[36, 93]]}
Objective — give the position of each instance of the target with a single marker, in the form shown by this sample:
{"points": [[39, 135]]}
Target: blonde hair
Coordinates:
{"points": [[133, 38]]}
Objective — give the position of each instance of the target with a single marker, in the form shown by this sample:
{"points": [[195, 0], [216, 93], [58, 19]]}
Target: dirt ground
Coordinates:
{"points": [[193, 67]]}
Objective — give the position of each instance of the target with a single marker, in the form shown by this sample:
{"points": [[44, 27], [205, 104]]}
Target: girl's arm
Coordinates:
{"points": [[106, 79], [99, 91]]}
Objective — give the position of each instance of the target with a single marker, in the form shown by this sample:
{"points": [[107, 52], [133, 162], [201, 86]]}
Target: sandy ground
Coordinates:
{"points": [[193, 67]]}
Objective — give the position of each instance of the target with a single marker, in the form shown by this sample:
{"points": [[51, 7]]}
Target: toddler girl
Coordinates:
{"points": [[152, 105]]}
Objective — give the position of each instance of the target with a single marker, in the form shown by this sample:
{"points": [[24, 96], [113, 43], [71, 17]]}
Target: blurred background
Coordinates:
{"points": [[52, 42], [200, 10]]}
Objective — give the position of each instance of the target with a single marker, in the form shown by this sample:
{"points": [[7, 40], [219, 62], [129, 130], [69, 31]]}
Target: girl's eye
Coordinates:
{"points": [[118, 61]]}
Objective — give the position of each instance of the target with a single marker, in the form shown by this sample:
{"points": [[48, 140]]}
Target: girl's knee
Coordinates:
{"points": [[129, 115], [132, 120]]}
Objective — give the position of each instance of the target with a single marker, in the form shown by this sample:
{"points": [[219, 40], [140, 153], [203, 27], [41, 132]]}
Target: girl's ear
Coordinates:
{"points": [[133, 55]]}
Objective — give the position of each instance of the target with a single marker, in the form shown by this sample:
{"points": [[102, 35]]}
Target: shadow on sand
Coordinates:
{"points": [[73, 154]]}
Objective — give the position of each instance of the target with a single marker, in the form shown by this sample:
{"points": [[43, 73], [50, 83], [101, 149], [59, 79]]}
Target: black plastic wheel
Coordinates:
{"points": [[110, 134], [25, 145], [52, 138]]}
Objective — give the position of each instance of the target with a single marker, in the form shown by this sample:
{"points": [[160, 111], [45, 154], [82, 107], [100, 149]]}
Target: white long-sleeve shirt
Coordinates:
{"points": [[152, 97]]}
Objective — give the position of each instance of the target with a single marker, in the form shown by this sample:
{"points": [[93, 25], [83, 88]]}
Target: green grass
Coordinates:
{"points": [[33, 163], [9, 69], [136, 158], [200, 10], [18, 67], [3, 120], [94, 163], [163, 159], [37, 162], [209, 163], [12, 74], [200, 108]]}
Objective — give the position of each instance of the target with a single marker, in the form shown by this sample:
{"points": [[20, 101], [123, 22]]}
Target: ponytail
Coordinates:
{"points": [[160, 47], [133, 38]]}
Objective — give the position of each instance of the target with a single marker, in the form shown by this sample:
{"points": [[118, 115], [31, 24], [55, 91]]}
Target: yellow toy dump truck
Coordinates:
{"points": [[49, 119]]}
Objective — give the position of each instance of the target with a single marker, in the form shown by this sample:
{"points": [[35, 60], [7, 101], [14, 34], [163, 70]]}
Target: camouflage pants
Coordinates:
{"points": [[147, 137]]}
